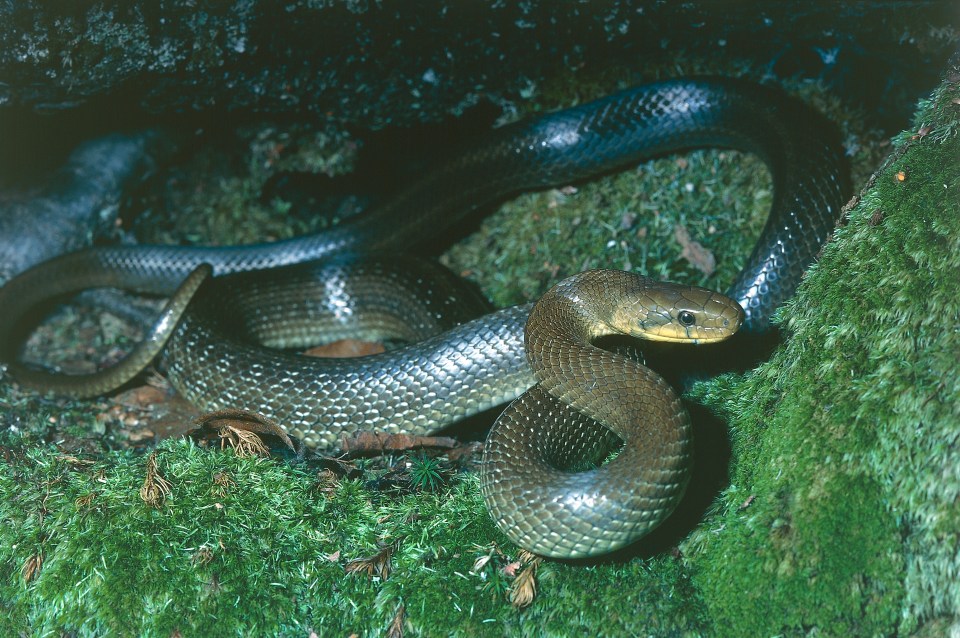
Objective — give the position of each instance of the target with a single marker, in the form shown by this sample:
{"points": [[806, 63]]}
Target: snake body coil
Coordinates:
{"points": [[480, 363], [588, 400]]}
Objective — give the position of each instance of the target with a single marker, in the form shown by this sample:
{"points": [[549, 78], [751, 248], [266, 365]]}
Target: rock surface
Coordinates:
{"points": [[376, 63]]}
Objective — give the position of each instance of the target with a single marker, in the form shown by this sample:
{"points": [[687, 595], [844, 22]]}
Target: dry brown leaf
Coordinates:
{"points": [[72, 460], [346, 348], [481, 562], [202, 556], [694, 252], [141, 397], [222, 484], [379, 442], [137, 436]]}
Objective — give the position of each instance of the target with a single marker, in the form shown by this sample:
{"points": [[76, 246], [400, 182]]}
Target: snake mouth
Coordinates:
{"points": [[688, 339]]}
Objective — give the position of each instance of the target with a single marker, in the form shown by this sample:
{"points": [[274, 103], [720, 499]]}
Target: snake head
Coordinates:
{"points": [[671, 312]]}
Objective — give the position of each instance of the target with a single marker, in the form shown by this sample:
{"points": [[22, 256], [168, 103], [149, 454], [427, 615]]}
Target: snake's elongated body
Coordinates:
{"points": [[425, 386], [475, 364]]}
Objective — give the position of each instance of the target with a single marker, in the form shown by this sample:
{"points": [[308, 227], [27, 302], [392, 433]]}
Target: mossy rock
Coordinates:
{"points": [[841, 513]]}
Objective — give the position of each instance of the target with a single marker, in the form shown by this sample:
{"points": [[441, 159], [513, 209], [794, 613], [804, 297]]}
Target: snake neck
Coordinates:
{"points": [[606, 386]]}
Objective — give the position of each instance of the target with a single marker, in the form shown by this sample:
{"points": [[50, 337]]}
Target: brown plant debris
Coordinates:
{"points": [[221, 484], [694, 252], [524, 588], [396, 625], [203, 555], [326, 482], [141, 397], [155, 488], [377, 565], [249, 433], [244, 442], [346, 348], [379, 442], [31, 567], [74, 461]]}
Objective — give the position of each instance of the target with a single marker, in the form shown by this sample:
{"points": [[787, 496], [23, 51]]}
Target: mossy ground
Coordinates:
{"points": [[839, 517]]}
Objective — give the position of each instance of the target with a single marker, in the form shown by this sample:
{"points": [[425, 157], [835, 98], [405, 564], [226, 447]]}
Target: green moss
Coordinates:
{"points": [[263, 552], [627, 221], [845, 441]]}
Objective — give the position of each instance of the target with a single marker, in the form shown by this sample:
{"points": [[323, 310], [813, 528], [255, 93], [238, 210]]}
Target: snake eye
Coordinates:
{"points": [[686, 318]]}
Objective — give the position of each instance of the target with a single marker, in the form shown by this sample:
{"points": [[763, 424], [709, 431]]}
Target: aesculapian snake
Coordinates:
{"points": [[478, 363]]}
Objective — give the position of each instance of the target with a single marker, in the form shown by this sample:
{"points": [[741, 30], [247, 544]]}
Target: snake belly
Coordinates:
{"points": [[425, 386]]}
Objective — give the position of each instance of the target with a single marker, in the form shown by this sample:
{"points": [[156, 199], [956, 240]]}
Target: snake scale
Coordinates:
{"points": [[476, 363]]}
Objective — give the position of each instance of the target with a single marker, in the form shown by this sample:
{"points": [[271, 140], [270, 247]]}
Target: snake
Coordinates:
{"points": [[454, 364]]}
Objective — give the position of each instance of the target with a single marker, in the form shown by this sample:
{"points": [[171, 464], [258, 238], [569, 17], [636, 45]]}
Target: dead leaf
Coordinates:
{"points": [[694, 252], [481, 562], [172, 419], [202, 556], [77, 462], [141, 397], [221, 484], [379, 442], [143, 434], [346, 348]]}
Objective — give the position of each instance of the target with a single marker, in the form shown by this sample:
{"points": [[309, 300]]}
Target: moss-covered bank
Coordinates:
{"points": [[839, 519], [846, 442]]}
